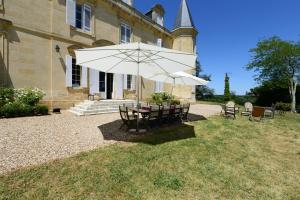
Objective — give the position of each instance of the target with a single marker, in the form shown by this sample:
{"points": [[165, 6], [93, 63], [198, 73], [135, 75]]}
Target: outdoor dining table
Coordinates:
{"points": [[144, 112]]}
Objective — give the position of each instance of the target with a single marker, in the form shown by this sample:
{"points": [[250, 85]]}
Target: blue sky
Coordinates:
{"points": [[229, 28]]}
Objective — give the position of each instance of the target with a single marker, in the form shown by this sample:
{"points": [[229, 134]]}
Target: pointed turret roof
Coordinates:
{"points": [[184, 17]]}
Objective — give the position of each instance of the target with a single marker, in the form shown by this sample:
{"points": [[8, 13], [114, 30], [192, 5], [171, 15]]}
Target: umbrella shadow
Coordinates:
{"points": [[155, 136]]}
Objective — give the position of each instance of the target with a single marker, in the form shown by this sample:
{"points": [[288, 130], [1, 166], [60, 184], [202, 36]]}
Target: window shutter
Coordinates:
{"points": [[156, 89], [87, 16], [71, 12], [68, 71], [94, 81], [125, 82], [133, 83], [83, 77], [161, 86], [159, 42]]}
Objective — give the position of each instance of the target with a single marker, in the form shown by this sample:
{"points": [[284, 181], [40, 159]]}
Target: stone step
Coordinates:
{"points": [[99, 107]]}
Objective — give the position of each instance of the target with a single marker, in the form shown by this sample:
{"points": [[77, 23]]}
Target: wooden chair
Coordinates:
{"points": [[270, 111], [230, 112], [232, 104], [128, 120], [154, 117], [177, 112], [257, 113], [165, 113], [248, 109], [185, 111]]}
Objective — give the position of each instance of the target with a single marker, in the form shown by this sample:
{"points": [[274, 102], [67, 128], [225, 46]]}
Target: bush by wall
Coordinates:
{"points": [[163, 97], [21, 102], [6, 96]]}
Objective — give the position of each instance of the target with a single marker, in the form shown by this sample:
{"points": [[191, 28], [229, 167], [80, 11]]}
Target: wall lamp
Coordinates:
{"points": [[57, 48]]}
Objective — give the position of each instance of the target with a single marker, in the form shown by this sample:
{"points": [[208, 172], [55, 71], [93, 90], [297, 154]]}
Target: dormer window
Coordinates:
{"points": [[157, 14], [160, 20], [129, 2]]}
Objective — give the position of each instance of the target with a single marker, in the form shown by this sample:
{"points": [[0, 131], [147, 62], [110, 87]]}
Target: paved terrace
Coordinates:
{"points": [[34, 140]]}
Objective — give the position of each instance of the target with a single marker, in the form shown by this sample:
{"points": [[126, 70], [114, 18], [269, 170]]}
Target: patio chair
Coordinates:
{"points": [[185, 111], [128, 120], [248, 109], [270, 111], [154, 117], [230, 112], [257, 113], [177, 112], [165, 113], [232, 104]]}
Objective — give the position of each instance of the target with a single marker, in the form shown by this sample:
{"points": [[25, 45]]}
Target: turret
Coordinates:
{"points": [[184, 31]]}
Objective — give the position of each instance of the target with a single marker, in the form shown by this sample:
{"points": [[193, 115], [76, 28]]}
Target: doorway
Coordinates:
{"points": [[109, 85]]}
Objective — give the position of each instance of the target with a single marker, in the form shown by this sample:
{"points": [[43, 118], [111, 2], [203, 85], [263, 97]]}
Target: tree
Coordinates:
{"points": [[277, 60], [227, 88], [202, 91]]}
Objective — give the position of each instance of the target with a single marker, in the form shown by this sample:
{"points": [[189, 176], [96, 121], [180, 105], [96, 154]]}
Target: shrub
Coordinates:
{"points": [[298, 108], [6, 96], [161, 97], [175, 102], [41, 110], [16, 109], [283, 106], [29, 96]]}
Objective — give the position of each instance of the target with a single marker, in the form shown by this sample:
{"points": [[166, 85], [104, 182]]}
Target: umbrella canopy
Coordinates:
{"points": [[128, 58], [178, 78]]}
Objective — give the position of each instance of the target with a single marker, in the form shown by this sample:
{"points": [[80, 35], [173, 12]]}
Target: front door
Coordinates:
{"points": [[109, 85]]}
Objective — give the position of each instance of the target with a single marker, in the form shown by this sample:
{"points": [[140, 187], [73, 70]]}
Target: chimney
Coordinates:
{"points": [[157, 14]]}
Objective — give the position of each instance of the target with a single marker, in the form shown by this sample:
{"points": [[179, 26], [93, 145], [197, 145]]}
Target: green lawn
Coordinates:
{"points": [[209, 159]]}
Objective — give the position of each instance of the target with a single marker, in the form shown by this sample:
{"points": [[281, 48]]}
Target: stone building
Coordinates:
{"points": [[38, 39]]}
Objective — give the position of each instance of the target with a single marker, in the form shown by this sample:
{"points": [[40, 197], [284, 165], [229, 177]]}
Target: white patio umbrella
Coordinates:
{"points": [[136, 59], [178, 78]]}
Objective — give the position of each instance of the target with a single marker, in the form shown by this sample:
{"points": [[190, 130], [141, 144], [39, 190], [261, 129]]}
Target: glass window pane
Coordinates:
{"points": [[87, 18], [78, 16], [128, 34]]}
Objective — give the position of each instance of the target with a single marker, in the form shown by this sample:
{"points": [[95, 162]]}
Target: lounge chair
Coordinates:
{"points": [[257, 113], [128, 120], [248, 109]]}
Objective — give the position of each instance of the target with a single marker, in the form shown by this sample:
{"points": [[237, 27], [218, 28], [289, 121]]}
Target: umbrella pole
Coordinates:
{"points": [[138, 93], [173, 86], [138, 99]]}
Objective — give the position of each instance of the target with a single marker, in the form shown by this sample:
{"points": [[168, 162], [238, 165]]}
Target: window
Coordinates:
{"points": [[129, 81], [160, 20], [125, 33], [83, 17], [78, 16], [102, 81], [87, 18], [159, 42], [76, 74]]}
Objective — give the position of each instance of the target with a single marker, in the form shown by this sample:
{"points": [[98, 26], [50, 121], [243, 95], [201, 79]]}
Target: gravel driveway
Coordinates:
{"points": [[34, 140]]}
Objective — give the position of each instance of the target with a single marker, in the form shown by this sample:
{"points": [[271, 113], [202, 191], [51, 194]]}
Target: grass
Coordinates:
{"points": [[210, 159]]}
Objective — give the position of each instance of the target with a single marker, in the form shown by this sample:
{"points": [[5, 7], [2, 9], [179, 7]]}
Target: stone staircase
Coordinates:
{"points": [[99, 107]]}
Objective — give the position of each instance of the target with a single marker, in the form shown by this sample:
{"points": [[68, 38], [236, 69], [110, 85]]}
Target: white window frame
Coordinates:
{"points": [[127, 27], [84, 25]]}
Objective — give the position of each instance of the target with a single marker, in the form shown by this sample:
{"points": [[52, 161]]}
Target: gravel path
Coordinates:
{"points": [[34, 140]]}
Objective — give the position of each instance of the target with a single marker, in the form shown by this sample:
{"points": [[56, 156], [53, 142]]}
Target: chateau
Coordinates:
{"points": [[38, 39]]}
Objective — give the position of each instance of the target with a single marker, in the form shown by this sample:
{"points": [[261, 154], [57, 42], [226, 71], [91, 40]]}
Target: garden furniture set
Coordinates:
{"points": [[153, 115]]}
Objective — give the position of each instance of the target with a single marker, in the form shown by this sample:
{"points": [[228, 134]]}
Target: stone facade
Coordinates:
{"points": [[35, 40]]}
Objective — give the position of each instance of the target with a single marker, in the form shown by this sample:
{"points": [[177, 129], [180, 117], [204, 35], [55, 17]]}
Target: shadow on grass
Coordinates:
{"points": [[158, 135]]}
